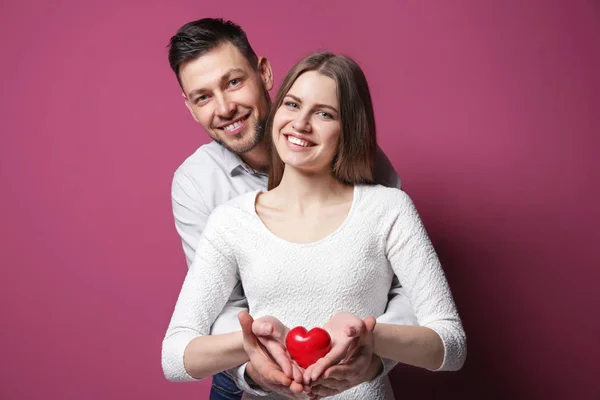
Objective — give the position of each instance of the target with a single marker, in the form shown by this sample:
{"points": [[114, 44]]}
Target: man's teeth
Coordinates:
{"points": [[233, 126], [299, 142]]}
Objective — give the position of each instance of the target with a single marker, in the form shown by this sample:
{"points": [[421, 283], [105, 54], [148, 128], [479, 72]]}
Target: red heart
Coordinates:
{"points": [[307, 347]]}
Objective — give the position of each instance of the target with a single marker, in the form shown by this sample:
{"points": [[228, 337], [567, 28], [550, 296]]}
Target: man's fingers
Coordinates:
{"points": [[351, 351], [297, 387], [323, 391]]}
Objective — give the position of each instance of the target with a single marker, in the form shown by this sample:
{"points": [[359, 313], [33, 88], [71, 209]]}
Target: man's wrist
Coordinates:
{"points": [[375, 368]]}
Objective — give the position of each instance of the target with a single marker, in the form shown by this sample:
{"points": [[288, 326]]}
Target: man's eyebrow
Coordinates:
{"points": [[226, 77], [195, 92], [297, 99]]}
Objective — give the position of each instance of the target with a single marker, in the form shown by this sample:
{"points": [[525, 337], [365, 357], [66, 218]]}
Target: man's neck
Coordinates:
{"points": [[257, 158]]}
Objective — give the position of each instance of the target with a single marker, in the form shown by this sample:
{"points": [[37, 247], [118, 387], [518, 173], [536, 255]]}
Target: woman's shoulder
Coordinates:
{"points": [[230, 211], [385, 196], [380, 204]]}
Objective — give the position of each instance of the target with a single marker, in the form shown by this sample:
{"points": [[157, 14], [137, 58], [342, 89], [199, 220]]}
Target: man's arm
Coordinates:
{"points": [[190, 213], [399, 310]]}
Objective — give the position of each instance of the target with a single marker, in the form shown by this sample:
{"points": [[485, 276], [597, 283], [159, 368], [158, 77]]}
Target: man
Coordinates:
{"points": [[225, 87]]}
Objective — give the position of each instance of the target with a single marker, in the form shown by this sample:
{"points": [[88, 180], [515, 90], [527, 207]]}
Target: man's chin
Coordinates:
{"points": [[239, 147]]}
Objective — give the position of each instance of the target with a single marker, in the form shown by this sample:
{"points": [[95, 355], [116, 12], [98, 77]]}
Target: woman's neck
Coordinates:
{"points": [[300, 191]]}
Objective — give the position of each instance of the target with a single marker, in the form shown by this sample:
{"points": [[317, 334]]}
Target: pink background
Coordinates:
{"points": [[490, 113]]}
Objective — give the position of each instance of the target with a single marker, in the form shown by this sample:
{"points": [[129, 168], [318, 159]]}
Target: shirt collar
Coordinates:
{"points": [[235, 165], [233, 162]]}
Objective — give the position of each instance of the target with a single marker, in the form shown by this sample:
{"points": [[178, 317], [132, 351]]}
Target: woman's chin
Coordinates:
{"points": [[308, 168]]}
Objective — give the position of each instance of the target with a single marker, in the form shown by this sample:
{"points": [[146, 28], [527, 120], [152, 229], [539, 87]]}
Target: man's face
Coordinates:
{"points": [[228, 97]]}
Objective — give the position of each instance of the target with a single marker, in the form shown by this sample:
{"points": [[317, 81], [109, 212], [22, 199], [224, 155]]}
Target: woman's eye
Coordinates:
{"points": [[291, 104]]}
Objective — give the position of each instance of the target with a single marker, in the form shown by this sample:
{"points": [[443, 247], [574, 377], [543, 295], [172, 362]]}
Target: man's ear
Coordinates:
{"points": [[189, 107], [266, 73]]}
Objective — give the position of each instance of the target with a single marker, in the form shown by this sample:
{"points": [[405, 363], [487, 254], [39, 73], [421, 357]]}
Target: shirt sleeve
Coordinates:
{"points": [[398, 311], [205, 290], [385, 174], [190, 213], [238, 375], [418, 269]]}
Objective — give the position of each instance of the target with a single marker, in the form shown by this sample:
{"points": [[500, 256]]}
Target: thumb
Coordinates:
{"points": [[262, 328], [246, 321], [355, 329], [280, 332], [370, 323]]}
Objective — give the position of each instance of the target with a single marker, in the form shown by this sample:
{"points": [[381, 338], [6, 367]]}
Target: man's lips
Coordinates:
{"points": [[235, 126]]}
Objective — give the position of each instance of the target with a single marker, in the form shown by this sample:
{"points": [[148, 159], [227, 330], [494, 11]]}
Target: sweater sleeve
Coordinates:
{"points": [[205, 290], [418, 268]]}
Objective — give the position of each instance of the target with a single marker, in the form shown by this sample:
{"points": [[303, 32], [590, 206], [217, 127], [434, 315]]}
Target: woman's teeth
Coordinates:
{"points": [[299, 142]]}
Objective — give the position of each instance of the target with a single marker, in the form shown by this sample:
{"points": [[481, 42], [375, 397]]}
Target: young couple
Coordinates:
{"points": [[326, 238]]}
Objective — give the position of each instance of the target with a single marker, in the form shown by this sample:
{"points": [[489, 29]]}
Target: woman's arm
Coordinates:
{"points": [[188, 351], [208, 355], [439, 342], [413, 345]]}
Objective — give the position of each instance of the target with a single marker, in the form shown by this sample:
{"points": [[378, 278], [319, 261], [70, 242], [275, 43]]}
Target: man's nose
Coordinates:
{"points": [[225, 108]]}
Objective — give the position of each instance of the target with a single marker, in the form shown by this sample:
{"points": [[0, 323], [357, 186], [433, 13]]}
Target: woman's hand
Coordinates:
{"points": [[271, 333], [262, 368], [352, 346]]}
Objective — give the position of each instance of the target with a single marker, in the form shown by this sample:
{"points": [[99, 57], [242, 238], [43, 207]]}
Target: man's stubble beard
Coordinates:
{"points": [[258, 134]]}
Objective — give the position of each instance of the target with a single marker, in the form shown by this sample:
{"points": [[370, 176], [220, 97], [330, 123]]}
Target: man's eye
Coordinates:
{"points": [[201, 99], [234, 82]]}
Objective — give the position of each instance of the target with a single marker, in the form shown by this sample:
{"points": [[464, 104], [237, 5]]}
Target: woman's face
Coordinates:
{"points": [[307, 126]]}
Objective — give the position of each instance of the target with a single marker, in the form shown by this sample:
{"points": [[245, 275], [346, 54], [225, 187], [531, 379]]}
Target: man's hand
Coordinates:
{"points": [[341, 377], [262, 369], [350, 361]]}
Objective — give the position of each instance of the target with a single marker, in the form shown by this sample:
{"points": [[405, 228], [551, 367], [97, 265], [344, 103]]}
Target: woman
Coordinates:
{"points": [[324, 239]]}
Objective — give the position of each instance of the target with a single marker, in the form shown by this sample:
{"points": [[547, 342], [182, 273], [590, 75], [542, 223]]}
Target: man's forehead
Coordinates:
{"points": [[209, 69]]}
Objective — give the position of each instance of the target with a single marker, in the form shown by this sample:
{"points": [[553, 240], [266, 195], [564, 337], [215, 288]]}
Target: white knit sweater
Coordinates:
{"points": [[350, 270]]}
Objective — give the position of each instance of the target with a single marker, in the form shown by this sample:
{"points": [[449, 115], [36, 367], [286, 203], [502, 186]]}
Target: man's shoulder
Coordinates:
{"points": [[210, 156], [205, 169]]}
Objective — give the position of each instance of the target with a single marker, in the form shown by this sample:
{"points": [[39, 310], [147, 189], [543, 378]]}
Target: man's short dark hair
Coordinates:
{"points": [[196, 38]]}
